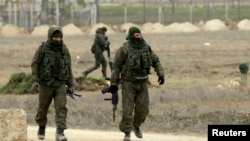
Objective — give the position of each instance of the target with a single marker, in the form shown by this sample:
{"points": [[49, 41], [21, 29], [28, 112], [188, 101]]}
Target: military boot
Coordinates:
{"points": [[127, 136], [60, 135], [41, 132], [85, 74], [138, 132], [107, 78]]}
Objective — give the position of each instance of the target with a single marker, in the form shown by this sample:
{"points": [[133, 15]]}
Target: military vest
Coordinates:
{"points": [[138, 62], [55, 65]]}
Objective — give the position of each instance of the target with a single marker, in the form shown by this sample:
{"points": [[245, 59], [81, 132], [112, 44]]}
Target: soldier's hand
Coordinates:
{"points": [[161, 80], [35, 87], [113, 89], [70, 92]]}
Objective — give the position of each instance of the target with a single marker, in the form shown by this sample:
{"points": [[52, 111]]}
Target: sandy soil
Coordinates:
{"points": [[98, 135], [186, 58]]}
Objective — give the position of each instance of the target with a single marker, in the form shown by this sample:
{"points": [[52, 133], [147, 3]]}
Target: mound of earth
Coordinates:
{"points": [[187, 27], [152, 28], [244, 24], [125, 27], [71, 29], [40, 30], [12, 30], [94, 27], [171, 27], [215, 25]]}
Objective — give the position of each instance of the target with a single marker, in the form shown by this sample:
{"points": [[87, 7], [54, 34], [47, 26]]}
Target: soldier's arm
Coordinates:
{"points": [[106, 41], [156, 64], [70, 81], [35, 63], [117, 65]]}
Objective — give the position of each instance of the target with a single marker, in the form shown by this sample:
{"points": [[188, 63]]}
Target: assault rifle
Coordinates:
{"points": [[114, 100], [71, 94], [108, 50], [108, 53], [114, 97]]}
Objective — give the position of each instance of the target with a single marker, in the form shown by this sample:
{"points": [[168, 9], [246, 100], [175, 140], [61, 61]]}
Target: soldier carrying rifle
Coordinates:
{"points": [[132, 63], [99, 46]]}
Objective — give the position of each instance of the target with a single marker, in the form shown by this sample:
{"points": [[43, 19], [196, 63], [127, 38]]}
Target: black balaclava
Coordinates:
{"points": [[54, 42], [54, 31], [135, 42]]}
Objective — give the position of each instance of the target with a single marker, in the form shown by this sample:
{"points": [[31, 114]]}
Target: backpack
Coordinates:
{"points": [[92, 49]]}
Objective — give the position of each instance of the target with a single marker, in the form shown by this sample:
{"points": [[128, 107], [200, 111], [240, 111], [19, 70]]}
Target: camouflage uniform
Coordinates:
{"points": [[100, 44], [51, 69], [132, 63]]}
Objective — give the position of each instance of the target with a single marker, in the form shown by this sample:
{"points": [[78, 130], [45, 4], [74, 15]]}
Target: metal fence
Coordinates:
{"points": [[169, 11], [117, 12]]}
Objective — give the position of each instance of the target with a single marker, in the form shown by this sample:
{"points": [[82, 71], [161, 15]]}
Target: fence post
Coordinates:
{"points": [[226, 10], [31, 16], [9, 13], [125, 13], [191, 12], [44, 16]]}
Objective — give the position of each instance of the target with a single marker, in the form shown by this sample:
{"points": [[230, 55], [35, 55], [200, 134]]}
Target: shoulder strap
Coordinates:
{"points": [[43, 46], [65, 50], [149, 48]]}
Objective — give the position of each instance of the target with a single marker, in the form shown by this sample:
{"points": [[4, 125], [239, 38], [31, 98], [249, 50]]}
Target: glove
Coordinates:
{"points": [[70, 92], [113, 89], [35, 87], [161, 80]]}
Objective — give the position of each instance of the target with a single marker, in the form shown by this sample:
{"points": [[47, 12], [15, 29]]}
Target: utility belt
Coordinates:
{"points": [[52, 82], [134, 79]]}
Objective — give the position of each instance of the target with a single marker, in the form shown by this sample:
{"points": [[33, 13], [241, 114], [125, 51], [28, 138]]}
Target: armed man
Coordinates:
{"points": [[52, 76], [100, 44], [132, 62]]}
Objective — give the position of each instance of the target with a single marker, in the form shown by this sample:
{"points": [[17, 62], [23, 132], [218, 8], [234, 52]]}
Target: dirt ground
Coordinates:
{"points": [[98, 135], [204, 58], [185, 56]]}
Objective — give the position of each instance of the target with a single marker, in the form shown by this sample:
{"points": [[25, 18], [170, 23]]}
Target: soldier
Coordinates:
{"points": [[99, 46], [132, 62], [52, 77]]}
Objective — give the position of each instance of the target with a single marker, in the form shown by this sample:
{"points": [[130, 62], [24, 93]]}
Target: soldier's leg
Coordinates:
{"points": [[128, 93], [44, 101], [45, 98], [96, 66], [61, 110], [60, 101], [141, 105], [104, 66]]}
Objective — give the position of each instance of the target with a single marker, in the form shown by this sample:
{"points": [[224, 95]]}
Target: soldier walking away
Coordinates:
{"points": [[132, 62], [100, 44], [52, 76]]}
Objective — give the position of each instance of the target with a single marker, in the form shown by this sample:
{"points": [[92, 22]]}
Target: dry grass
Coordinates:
{"points": [[189, 100]]}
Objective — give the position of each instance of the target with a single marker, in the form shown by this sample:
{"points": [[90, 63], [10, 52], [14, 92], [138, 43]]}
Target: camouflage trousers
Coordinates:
{"points": [[46, 95], [99, 60], [135, 105]]}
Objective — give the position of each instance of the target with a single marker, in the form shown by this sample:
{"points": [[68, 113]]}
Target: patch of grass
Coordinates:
{"points": [[19, 83], [100, 81]]}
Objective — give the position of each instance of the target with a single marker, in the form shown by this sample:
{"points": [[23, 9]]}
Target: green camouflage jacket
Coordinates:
{"points": [[51, 65]]}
